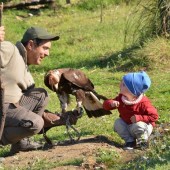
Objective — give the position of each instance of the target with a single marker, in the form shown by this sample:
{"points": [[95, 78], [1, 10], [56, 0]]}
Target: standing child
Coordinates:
{"points": [[137, 116]]}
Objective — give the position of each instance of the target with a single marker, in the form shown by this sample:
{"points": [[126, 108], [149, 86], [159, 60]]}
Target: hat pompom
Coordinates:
{"points": [[137, 82]]}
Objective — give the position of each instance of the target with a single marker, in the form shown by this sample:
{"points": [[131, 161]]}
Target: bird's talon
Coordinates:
{"points": [[80, 112]]}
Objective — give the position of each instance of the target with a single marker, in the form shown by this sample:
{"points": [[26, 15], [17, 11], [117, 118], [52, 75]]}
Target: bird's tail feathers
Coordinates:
{"points": [[93, 106], [99, 96]]}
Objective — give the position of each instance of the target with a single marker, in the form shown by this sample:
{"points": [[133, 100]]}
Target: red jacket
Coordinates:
{"points": [[143, 111]]}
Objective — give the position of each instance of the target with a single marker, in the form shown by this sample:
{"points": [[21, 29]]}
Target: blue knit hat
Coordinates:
{"points": [[137, 82]]}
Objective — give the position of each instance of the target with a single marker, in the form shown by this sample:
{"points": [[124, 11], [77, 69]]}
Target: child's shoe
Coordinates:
{"points": [[129, 145], [142, 144]]}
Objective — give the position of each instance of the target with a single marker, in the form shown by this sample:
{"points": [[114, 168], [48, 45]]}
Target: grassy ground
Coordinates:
{"points": [[98, 48]]}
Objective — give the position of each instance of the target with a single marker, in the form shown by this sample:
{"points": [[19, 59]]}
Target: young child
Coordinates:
{"points": [[137, 116]]}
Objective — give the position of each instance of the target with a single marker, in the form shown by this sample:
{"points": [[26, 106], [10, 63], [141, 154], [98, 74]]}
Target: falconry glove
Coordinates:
{"points": [[56, 119], [52, 120]]}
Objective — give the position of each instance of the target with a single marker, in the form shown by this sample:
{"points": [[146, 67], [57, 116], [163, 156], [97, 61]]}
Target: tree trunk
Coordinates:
{"points": [[164, 17], [68, 1]]}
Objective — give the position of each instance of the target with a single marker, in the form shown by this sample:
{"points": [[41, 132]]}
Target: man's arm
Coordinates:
{"points": [[2, 33], [2, 113]]}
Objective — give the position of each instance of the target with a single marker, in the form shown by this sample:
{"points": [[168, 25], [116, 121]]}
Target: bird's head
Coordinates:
{"points": [[51, 79]]}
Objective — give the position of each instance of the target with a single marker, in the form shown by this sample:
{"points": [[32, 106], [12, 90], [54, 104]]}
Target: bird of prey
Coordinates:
{"points": [[66, 81]]}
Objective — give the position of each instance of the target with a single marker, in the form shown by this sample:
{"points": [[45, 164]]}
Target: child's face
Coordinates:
{"points": [[124, 90]]}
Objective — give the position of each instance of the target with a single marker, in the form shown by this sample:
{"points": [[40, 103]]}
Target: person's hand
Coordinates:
{"points": [[2, 33], [133, 119], [115, 103]]}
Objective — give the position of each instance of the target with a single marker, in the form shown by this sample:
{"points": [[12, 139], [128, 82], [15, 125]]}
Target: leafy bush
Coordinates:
{"points": [[149, 18]]}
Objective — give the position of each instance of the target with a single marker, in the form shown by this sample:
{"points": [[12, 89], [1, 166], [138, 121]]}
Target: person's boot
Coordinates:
{"points": [[25, 145]]}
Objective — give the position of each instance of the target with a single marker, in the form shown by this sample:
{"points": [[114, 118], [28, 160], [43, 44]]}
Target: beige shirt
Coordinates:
{"points": [[14, 72]]}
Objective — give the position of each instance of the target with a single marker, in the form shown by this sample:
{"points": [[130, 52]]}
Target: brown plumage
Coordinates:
{"points": [[68, 81]]}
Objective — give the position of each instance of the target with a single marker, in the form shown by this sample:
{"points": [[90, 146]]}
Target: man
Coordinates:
{"points": [[23, 103]]}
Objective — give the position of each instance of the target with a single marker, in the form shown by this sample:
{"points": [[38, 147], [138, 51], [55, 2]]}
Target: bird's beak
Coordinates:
{"points": [[56, 86]]}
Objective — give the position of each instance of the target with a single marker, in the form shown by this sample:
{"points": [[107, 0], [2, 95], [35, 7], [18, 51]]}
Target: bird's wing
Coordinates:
{"points": [[79, 79], [69, 81], [93, 106]]}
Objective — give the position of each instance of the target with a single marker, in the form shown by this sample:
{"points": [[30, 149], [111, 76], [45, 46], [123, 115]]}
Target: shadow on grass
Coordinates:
{"points": [[120, 61], [92, 139]]}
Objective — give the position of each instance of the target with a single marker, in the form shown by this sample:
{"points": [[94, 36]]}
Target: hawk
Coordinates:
{"points": [[68, 81]]}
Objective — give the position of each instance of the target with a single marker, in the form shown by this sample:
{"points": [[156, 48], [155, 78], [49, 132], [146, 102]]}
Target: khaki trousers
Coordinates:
{"points": [[130, 133], [24, 119]]}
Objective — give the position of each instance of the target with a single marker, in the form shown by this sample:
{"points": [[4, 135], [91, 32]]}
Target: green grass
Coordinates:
{"points": [[109, 157], [98, 49], [157, 158]]}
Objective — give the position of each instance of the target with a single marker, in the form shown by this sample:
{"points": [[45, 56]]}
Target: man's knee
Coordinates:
{"points": [[26, 128], [38, 124], [32, 126]]}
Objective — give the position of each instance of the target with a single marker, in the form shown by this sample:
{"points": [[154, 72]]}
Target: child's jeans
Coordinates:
{"points": [[130, 133]]}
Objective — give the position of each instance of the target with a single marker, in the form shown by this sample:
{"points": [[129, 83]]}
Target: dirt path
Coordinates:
{"points": [[85, 149]]}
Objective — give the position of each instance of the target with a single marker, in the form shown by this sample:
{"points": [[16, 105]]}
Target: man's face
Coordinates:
{"points": [[35, 54]]}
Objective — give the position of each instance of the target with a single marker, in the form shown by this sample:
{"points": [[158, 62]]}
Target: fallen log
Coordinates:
{"points": [[23, 5]]}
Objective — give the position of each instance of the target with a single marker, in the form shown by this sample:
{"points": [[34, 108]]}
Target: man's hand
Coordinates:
{"points": [[2, 33], [133, 119]]}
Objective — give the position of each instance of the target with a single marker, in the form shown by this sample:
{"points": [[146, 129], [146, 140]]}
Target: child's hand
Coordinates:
{"points": [[115, 103], [133, 119]]}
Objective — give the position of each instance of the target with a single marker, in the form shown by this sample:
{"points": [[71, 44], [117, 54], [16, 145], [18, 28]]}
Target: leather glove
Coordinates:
{"points": [[52, 119]]}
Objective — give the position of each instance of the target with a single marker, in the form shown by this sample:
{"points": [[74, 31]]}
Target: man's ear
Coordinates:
{"points": [[31, 45]]}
